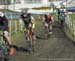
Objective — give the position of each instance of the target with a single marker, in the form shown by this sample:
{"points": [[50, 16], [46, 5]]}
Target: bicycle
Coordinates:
{"points": [[48, 29], [30, 38], [4, 48]]}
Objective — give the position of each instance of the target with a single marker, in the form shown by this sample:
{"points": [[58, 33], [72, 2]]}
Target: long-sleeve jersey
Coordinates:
{"points": [[3, 23]]}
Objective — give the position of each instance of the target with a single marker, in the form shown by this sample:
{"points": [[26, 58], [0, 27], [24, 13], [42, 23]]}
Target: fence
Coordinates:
{"points": [[14, 23], [70, 23], [12, 15]]}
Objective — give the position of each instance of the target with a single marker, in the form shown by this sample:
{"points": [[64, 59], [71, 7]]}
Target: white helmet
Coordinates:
{"points": [[1, 14]]}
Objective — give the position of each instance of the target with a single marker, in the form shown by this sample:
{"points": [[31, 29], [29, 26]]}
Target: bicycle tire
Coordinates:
{"points": [[31, 42]]}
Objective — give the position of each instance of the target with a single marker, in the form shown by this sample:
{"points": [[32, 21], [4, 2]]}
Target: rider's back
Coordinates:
{"points": [[26, 19]]}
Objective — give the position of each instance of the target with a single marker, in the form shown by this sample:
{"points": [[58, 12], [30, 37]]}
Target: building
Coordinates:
{"points": [[22, 4]]}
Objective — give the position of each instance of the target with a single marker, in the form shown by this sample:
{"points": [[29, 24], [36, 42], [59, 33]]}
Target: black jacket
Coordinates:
{"points": [[26, 19], [3, 23]]}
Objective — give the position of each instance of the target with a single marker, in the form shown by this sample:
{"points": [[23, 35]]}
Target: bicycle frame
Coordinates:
{"points": [[30, 38], [48, 27], [30, 35]]}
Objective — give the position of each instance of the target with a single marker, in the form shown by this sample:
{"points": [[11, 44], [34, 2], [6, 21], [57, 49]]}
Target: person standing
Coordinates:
{"points": [[4, 27]]}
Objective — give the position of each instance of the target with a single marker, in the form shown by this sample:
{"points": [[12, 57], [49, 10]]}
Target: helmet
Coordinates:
{"points": [[1, 14]]}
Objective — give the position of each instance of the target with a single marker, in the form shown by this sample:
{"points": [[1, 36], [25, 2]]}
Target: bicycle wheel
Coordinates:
{"points": [[31, 40], [46, 32]]}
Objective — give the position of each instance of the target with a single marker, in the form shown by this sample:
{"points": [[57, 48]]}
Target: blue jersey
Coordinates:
{"points": [[62, 16]]}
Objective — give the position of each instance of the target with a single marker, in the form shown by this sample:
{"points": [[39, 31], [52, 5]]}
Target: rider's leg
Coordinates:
{"points": [[61, 23], [6, 35], [32, 26], [45, 25], [30, 41], [34, 37], [50, 28], [46, 30]]}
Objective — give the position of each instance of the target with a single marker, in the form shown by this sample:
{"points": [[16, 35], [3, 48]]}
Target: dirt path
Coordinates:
{"points": [[56, 48]]}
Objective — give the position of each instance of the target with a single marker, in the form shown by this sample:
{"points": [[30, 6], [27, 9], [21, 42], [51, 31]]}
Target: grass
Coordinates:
{"points": [[6, 10], [67, 25], [15, 38], [72, 16], [70, 31], [13, 24]]}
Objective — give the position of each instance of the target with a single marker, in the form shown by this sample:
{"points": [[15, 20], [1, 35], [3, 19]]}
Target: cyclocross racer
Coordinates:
{"points": [[29, 22], [48, 19]]}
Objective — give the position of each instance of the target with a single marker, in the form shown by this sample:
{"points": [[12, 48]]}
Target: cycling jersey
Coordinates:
{"points": [[48, 18], [28, 20]]}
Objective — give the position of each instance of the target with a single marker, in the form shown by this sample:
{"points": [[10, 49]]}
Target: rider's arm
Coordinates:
{"points": [[52, 19], [33, 21]]}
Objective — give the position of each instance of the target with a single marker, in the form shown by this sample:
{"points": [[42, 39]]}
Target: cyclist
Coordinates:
{"points": [[48, 18], [4, 28], [29, 21], [62, 18]]}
